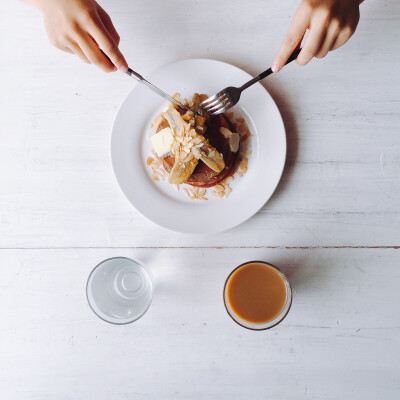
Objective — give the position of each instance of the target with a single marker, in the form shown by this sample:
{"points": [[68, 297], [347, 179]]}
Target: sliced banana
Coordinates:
{"points": [[175, 121], [181, 171], [212, 158]]}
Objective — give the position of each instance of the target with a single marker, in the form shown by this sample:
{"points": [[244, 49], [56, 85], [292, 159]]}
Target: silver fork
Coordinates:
{"points": [[228, 97]]}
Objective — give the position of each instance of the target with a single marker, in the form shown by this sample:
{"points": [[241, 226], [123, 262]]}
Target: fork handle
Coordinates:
{"points": [[269, 71]]}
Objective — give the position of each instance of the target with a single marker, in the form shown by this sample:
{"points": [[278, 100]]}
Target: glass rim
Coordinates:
{"points": [[281, 316], [87, 287]]}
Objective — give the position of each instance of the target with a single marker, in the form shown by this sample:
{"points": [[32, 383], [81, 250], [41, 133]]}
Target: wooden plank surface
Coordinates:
{"points": [[340, 339], [332, 225], [341, 185]]}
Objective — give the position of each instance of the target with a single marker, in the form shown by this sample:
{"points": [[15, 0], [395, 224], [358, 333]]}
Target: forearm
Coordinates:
{"points": [[36, 3]]}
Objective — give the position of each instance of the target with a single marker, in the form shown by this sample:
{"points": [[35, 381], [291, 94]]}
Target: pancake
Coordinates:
{"points": [[203, 176]]}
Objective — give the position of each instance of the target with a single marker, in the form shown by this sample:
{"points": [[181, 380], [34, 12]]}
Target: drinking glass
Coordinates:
{"points": [[267, 324], [119, 290]]}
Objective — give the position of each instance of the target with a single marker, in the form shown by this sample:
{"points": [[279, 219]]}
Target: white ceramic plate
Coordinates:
{"points": [[160, 202]]}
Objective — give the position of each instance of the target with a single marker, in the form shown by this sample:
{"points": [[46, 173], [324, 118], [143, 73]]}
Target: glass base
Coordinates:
{"points": [[119, 290]]}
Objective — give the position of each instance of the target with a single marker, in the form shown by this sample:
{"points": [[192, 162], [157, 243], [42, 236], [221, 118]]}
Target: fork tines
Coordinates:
{"points": [[217, 104]]}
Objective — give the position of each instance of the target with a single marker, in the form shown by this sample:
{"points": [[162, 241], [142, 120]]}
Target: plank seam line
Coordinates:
{"points": [[203, 247]]}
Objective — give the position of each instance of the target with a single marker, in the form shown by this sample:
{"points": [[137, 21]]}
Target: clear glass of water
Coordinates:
{"points": [[119, 290]]}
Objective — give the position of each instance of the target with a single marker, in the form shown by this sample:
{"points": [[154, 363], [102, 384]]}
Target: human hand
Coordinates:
{"points": [[331, 24], [82, 27]]}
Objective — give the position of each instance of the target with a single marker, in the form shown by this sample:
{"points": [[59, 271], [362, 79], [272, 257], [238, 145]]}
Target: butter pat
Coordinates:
{"points": [[162, 141]]}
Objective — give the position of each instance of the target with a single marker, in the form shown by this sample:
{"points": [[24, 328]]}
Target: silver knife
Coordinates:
{"points": [[155, 89]]}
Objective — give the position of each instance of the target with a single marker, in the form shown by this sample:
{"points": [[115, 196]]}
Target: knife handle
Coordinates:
{"points": [[134, 74]]}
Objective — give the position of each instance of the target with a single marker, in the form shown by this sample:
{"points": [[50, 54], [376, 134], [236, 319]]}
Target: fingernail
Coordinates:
{"points": [[275, 67], [123, 68]]}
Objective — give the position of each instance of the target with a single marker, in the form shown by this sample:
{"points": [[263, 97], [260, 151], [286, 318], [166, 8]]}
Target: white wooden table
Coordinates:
{"points": [[333, 224]]}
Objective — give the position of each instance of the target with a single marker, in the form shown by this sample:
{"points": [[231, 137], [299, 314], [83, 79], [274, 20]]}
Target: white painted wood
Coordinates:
{"points": [[340, 187], [340, 340]]}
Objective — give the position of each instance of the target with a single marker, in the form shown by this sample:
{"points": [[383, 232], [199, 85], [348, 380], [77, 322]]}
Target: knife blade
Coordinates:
{"points": [[155, 89]]}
